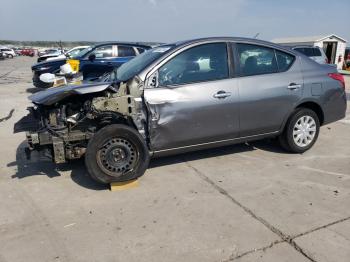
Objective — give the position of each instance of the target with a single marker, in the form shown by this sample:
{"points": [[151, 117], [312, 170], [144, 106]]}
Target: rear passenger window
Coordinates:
{"points": [[256, 60], [103, 51], [284, 61], [124, 51]]}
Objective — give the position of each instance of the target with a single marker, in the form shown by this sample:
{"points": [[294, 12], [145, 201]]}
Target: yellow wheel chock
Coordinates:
{"points": [[119, 186]]}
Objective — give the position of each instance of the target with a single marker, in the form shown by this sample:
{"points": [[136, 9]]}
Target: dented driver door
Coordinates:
{"points": [[194, 101], [192, 114]]}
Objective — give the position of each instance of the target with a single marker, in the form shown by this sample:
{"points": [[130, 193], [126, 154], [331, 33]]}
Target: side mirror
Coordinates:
{"points": [[92, 57]]}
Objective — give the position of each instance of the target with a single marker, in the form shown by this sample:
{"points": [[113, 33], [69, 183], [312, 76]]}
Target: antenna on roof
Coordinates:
{"points": [[256, 36]]}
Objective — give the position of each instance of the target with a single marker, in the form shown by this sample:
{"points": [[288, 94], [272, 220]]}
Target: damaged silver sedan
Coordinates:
{"points": [[184, 97]]}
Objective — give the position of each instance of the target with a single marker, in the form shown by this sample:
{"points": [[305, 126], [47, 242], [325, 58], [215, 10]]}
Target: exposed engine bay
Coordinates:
{"points": [[63, 119]]}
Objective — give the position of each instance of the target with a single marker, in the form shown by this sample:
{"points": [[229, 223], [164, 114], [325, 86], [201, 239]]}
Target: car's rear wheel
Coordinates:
{"points": [[301, 131], [116, 153]]}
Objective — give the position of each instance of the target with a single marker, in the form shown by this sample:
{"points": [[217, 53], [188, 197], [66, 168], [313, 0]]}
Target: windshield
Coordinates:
{"points": [[83, 52], [140, 62], [75, 53]]}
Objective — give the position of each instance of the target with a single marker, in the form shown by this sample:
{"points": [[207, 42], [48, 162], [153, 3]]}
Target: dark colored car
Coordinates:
{"points": [[93, 61], [183, 97]]}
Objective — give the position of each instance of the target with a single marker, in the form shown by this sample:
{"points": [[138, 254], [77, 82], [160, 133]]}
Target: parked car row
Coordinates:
{"points": [[12, 52], [7, 52], [94, 61], [27, 52], [180, 97]]}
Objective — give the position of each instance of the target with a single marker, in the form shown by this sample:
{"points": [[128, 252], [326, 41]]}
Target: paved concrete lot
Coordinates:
{"points": [[250, 202]]}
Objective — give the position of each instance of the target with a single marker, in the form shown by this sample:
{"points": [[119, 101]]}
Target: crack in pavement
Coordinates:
{"points": [[321, 227], [291, 241], [232, 258], [284, 237], [6, 74], [8, 116]]}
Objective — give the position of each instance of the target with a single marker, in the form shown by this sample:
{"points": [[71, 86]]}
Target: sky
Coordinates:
{"points": [[170, 20]]}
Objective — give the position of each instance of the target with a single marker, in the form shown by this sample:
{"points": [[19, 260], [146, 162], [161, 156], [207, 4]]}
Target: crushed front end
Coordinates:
{"points": [[54, 133], [63, 119]]}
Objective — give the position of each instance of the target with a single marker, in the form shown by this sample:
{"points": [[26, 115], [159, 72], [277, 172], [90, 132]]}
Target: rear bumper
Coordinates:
{"points": [[335, 108]]}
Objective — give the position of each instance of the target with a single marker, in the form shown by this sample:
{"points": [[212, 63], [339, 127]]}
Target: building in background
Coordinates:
{"points": [[333, 46]]}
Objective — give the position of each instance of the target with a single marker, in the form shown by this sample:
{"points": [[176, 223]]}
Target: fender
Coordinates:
{"points": [[302, 101]]}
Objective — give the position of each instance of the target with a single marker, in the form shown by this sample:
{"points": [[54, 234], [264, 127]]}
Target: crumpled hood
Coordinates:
{"points": [[55, 94], [49, 63]]}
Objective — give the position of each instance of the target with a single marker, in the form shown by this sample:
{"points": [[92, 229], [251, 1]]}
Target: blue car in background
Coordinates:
{"points": [[94, 61]]}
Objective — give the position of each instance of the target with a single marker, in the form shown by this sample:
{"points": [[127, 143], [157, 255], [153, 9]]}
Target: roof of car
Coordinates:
{"points": [[135, 44], [305, 46], [233, 39]]}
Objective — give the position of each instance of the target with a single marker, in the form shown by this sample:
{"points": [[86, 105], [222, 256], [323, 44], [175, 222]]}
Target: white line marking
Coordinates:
{"points": [[69, 225]]}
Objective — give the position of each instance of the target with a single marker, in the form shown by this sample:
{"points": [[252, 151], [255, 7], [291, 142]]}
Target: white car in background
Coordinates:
{"points": [[7, 52], [314, 52], [70, 53]]}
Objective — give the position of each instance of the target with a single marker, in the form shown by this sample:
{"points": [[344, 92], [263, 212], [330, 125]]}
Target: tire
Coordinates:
{"points": [[301, 131], [10, 56], [116, 153]]}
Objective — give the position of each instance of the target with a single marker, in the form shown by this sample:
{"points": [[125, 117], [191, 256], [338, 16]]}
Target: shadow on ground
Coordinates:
{"points": [[39, 165], [270, 145], [33, 90]]}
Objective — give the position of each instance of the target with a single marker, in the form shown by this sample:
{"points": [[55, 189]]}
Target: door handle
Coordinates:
{"points": [[109, 63], [221, 94], [294, 86]]}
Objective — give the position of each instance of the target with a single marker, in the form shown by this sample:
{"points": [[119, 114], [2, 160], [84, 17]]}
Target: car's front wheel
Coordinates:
{"points": [[301, 131], [116, 153]]}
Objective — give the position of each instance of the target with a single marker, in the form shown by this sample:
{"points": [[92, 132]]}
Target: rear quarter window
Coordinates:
{"points": [[125, 51], [256, 60], [284, 60]]}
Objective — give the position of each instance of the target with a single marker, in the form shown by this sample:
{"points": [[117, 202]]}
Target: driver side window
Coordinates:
{"points": [[198, 64]]}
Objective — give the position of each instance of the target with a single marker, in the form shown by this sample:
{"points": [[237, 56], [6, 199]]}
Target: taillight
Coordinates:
{"points": [[338, 77]]}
